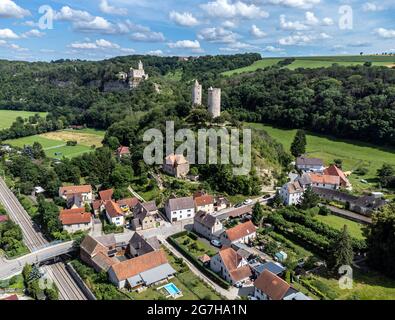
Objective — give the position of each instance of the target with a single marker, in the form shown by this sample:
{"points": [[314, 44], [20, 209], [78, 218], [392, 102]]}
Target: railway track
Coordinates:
{"points": [[34, 240]]}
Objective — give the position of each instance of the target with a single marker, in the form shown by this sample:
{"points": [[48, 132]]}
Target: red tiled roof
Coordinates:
{"points": [[204, 200], [231, 260], [73, 211], [130, 202], [74, 218], [113, 209], [273, 286], [106, 195], [3, 218], [335, 171], [123, 150], [241, 231], [13, 297], [70, 190], [132, 267], [324, 179]]}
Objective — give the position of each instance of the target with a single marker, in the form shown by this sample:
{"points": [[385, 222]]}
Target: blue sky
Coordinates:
{"points": [[99, 29]]}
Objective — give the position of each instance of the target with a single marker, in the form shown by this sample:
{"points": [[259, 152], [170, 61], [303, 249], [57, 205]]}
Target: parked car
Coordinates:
{"points": [[216, 243], [247, 202], [239, 205]]}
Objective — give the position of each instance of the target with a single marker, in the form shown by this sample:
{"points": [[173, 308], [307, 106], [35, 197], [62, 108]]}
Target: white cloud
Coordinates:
{"points": [[385, 33], [291, 25], [311, 19], [217, 35], [155, 53], [304, 4], [229, 24], [98, 44], [128, 50], [17, 47], [273, 49], [300, 39], [185, 19], [8, 34], [256, 32], [34, 33], [108, 9], [327, 22], [68, 14], [371, 7], [184, 44], [9, 9], [98, 24], [148, 36], [238, 9]]}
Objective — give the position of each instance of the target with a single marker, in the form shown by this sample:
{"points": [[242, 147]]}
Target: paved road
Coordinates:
{"points": [[33, 239]]}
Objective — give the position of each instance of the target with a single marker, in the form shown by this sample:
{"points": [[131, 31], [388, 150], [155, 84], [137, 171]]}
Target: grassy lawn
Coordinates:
{"points": [[196, 247], [354, 228], [366, 286], [316, 62], [354, 154], [54, 143], [7, 117]]}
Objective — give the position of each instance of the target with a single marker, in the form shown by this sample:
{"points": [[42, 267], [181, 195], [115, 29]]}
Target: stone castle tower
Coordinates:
{"points": [[214, 102], [197, 94]]}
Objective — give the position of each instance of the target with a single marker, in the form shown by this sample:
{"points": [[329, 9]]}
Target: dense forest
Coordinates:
{"points": [[349, 102]]}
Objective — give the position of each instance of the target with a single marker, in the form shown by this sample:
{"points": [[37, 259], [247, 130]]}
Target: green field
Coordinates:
{"points": [[56, 147], [7, 117], [316, 62], [354, 154], [355, 229]]}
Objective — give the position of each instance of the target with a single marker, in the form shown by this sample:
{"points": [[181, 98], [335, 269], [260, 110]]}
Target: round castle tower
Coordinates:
{"points": [[214, 101], [197, 94]]}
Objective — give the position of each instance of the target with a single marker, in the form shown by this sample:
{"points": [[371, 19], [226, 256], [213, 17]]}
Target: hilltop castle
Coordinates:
{"points": [[135, 76], [214, 99]]}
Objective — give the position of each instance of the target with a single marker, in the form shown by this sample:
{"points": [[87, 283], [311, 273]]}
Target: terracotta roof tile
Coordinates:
{"points": [[231, 260], [324, 179], [132, 267], [106, 195], [241, 231], [335, 171], [75, 218], [70, 190], [273, 286], [113, 209], [204, 200]]}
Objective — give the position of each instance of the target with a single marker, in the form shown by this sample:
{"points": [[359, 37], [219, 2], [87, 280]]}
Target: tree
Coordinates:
{"points": [[298, 146], [342, 253], [386, 175], [257, 213], [381, 240], [338, 163], [309, 199]]}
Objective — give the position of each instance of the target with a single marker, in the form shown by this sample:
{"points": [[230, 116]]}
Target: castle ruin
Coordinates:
{"points": [[197, 94], [214, 102]]}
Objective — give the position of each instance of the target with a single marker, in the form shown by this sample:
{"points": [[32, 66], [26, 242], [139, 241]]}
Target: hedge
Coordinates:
{"points": [[209, 273]]}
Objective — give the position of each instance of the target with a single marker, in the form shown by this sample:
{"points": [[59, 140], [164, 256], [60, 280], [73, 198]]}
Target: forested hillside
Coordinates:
{"points": [[351, 102]]}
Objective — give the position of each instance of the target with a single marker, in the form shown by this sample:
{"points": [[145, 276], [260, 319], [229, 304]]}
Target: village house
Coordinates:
{"points": [[324, 181], [207, 225], [176, 165], [239, 212], [98, 252], [145, 216], [179, 209], [128, 205], [268, 286], [221, 203], [141, 272], [291, 193], [139, 245], [367, 204], [243, 233], [305, 164], [204, 203], [74, 220], [114, 213], [336, 172], [76, 196], [231, 266], [122, 152]]}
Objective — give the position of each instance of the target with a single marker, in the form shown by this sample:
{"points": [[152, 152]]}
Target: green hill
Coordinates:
{"points": [[316, 62]]}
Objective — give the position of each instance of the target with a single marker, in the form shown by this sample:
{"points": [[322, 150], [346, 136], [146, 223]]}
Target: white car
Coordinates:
{"points": [[247, 202], [216, 243]]}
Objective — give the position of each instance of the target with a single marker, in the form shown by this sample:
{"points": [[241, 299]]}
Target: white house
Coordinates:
{"points": [[231, 266], [84, 194], [205, 203], [179, 209], [310, 164], [207, 225], [243, 233], [114, 213], [74, 220], [291, 193]]}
